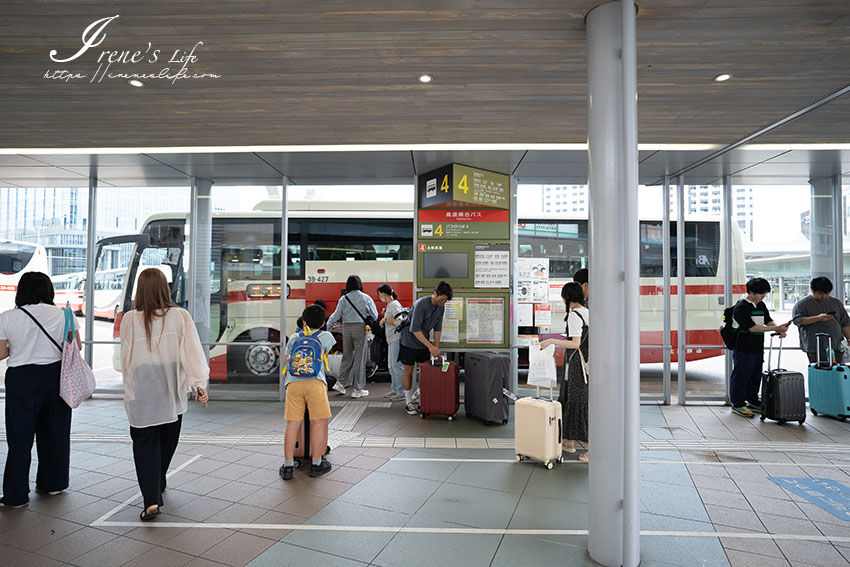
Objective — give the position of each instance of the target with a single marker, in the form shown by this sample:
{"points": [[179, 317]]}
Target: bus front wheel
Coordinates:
{"points": [[258, 361]]}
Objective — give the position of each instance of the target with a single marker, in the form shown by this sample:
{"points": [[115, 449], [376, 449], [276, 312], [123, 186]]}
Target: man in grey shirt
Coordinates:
{"points": [[426, 315], [820, 313]]}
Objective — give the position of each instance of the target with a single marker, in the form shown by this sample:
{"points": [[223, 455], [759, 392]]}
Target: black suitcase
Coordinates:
{"points": [[783, 392], [486, 379]]}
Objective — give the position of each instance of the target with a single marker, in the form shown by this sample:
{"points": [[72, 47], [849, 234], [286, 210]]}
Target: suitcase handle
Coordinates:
{"points": [[770, 351], [560, 431], [824, 364]]}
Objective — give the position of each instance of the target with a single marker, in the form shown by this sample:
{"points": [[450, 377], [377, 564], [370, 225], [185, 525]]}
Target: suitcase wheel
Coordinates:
{"points": [[451, 417], [780, 421], [762, 418], [560, 459], [549, 465], [813, 411], [421, 415], [802, 421], [505, 421], [519, 458]]}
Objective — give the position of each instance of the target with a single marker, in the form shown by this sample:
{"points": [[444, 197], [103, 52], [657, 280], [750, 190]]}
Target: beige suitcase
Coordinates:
{"points": [[537, 430]]}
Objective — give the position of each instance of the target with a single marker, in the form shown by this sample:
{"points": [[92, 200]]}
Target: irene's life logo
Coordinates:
{"points": [[127, 64]]}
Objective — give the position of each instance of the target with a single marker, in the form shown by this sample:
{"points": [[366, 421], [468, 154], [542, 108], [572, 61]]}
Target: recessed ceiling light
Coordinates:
{"points": [[425, 78], [722, 77], [136, 83]]}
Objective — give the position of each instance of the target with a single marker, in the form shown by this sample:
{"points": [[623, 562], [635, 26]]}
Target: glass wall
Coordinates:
{"points": [[43, 229]]}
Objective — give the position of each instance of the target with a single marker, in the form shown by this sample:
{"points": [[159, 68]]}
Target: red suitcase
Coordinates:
{"points": [[438, 389]]}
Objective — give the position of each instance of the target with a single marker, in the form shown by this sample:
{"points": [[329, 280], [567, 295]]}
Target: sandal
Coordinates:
{"points": [[583, 458], [568, 447], [146, 516]]}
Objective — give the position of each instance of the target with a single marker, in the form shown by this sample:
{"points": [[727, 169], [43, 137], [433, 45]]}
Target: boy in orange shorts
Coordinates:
{"points": [[305, 358]]}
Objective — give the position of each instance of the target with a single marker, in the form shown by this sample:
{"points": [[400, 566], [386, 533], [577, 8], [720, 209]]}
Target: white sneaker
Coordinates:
{"points": [[339, 388], [411, 409], [359, 393]]}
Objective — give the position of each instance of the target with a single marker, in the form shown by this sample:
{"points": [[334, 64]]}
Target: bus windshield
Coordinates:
{"points": [[14, 256]]}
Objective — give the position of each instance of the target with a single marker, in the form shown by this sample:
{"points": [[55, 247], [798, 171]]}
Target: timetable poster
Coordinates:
{"points": [[492, 265], [485, 320]]}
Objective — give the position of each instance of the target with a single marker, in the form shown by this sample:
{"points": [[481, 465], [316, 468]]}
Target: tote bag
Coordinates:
{"points": [[76, 382], [541, 366]]}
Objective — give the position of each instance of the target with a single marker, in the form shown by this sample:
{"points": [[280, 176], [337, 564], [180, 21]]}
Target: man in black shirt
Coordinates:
{"points": [[751, 321]]}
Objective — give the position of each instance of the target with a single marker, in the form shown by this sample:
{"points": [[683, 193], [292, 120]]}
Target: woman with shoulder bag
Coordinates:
{"points": [[574, 391], [30, 336], [356, 309], [162, 361]]}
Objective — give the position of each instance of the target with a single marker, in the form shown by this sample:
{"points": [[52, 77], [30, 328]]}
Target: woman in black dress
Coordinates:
{"points": [[574, 392]]}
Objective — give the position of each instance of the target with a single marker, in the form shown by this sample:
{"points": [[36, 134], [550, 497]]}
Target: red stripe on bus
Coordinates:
{"points": [[712, 289], [329, 292], [696, 337]]}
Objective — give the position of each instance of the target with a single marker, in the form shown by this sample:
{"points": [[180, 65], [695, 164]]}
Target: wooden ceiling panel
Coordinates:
{"points": [[343, 72]]}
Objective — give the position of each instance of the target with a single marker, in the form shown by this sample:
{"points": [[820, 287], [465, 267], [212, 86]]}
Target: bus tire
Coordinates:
{"points": [[257, 362]]}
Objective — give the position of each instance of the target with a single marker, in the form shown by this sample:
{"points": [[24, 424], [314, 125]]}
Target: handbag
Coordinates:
{"points": [[541, 366], [76, 379], [370, 321]]}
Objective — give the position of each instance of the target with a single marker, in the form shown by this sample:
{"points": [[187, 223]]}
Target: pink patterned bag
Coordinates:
{"points": [[76, 381]]}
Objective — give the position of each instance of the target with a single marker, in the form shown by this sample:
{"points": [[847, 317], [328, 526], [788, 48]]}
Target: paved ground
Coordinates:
{"points": [[406, 491]]}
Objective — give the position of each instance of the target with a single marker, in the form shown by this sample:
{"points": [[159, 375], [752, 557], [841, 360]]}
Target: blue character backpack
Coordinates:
{"points": [[306, 355]]}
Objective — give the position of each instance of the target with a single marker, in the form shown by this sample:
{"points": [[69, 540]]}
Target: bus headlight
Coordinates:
{"points": [[263, 291]]}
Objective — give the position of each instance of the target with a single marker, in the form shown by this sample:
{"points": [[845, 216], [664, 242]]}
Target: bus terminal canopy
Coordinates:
{"points": [[244, 93]]}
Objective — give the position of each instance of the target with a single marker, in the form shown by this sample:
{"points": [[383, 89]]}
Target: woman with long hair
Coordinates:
{"points": [[574, 392], [30, 336], [162, 361], [354, 308], [389, 322]]}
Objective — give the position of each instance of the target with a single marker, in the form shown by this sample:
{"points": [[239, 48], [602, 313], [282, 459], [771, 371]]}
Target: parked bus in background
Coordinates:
{"points": [[16, 259], [329, 241], [69, 291], [108, 293]]}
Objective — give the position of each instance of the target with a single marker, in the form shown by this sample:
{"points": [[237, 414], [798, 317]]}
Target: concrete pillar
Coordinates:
{"points": [[821, 230], [613, 538], [200, 245]]}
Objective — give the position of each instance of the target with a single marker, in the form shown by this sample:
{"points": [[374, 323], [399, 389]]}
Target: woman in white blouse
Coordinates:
{"points": [[162, 361]]}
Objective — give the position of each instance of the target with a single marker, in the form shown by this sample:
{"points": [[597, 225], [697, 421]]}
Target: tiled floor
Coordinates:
{"points": [[406, 491]]}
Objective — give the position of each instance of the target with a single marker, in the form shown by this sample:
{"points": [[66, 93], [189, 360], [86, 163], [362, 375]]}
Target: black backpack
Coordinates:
{"points": [[402, 319], [727, 332]]}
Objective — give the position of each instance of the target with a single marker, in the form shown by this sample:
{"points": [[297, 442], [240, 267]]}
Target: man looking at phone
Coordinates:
{"points": [[820, 313]]}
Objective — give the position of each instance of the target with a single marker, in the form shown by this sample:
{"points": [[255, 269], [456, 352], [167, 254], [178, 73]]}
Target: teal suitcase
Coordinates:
{"points": [[829, 387]]}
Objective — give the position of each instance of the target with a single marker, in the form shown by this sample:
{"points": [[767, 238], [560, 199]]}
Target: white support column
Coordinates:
{"points": [[200, 255], [728, 283], [284, 263], [838, 238], [681, 306], [514, 248], [821, 230], [91, 263], [665, 273], [613, 239]]}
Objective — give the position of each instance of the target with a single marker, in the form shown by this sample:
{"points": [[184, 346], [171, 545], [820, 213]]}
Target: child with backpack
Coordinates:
{"points": [[305, 359]]}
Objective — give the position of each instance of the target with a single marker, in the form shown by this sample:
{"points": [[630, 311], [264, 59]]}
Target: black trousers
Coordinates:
{"points": [[153, 448], [35, 410]]}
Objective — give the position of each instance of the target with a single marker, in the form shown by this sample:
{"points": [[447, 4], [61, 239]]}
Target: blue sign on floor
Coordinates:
{"points": [[825, 493]]}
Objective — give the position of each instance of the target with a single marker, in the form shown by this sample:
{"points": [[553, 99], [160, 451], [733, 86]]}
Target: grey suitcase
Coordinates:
{"points": [[486, 380]]}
